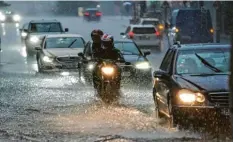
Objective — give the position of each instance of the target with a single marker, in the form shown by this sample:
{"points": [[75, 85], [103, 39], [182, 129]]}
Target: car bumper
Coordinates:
{"points": [[59, 67], [149, 43], [31, 46], [202, 112], [92, 18]]}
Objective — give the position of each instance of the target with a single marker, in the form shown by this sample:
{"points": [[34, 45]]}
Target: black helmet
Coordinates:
{"points": [[107, 41], [96, 35]]}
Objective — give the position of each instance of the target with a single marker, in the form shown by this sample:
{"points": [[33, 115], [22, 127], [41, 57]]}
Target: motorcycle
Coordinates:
{"points": [[107, 78]]}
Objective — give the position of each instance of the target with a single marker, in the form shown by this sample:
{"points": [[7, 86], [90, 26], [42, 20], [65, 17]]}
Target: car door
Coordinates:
{"points": [[87, 55], [163, 84]]}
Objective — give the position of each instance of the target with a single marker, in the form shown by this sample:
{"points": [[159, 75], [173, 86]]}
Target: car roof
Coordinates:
{"points": [[203, 46], [62, 35], [44, 21], [142, 26]]}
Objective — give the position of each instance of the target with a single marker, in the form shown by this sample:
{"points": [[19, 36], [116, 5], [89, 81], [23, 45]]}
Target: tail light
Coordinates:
{"points": [[157, 33], [98, 13], [131, 35], [86, 14]]}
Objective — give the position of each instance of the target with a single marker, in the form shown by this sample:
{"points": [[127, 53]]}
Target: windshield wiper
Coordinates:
{"points": [[72, 43], [207, 64]]}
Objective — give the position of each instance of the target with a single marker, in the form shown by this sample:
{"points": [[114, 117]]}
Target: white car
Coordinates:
{"points": [[144, 36], [59, 52], [33, 32]]}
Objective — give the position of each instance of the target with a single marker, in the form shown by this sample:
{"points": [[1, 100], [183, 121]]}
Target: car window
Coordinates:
{"points": [[189, 63], [127, 48], [144, 30], [167, 60], [127, 30], [45, 27], [150, 22], [64, 42]]}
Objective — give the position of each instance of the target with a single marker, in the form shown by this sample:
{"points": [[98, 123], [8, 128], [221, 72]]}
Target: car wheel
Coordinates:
{"points": [[158, 114], [39, 65], [173, 119]]}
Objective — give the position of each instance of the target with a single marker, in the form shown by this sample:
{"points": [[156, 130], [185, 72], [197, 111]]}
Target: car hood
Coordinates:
{"points": [[213, 83], [57, 52], [134, 58]]}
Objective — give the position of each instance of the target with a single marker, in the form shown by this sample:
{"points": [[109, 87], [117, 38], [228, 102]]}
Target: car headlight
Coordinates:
{"points": [[107, 70], [187, 96], [34, 39], [23, 34], [16, 17], [47, 59], [2, 17], [143, 65]]}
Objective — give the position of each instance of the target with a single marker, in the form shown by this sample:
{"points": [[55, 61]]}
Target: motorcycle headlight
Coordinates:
{"points": [[16, 17], [143, 65], [107, 70], [90, 66], [2, 17], [47, 59], [187, 96], [34, 39]]}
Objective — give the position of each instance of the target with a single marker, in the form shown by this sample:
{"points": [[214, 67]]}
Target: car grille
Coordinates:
{"points": [[220, 98], [68, 59]]}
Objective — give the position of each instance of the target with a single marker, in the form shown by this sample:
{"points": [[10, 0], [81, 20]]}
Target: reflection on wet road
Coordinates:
{"points": [[62, 106]]}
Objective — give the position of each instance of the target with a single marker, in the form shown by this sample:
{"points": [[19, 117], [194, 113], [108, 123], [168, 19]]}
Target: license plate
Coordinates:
{"points": [[225, 112], [144, 38], [126, 73]]}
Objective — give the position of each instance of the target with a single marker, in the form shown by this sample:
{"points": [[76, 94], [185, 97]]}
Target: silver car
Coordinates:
{"points": [[145, 36], [33, 32], [59, 52]]}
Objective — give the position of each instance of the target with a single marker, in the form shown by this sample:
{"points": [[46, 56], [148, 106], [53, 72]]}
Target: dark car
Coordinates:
{"points": [[9, 17], [192, 26], [192, 82], [92, 14], [139, 71]]}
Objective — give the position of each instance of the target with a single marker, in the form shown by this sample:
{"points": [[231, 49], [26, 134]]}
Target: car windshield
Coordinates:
{"points": [[64, 42], [144, 30], [150, 22], [127, 48], [189, 63], [45, 27]]}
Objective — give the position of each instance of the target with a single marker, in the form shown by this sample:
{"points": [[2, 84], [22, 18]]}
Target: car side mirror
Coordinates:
{"points": [[37, 48], [146, 53], [127, 63], [66, 29], [81, 54], [24, 30], [122, 34], [158, 74]]}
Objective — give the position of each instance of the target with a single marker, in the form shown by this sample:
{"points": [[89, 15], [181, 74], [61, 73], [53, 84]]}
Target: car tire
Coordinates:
{"points": [[174, 116], [40, 70], [158, 114]]}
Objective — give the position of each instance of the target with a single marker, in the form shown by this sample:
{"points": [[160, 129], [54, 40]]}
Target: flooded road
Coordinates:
{"points": [[58, 107]]}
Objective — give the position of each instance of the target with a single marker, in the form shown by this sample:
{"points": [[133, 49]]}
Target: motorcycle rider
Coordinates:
{"points": [[108, 52], [96, 45]]}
